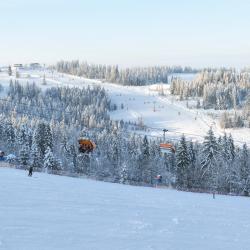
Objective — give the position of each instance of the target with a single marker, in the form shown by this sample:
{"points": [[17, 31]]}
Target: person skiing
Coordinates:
{"points": [[158, 180], [30, 171]]}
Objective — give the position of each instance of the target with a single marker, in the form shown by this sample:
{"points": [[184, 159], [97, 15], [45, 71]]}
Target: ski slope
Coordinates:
{"points": [[62, 213], [142, 104]]}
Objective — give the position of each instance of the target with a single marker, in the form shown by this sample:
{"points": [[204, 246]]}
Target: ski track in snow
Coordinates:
{"points": [[55, 212], [139, 104]]}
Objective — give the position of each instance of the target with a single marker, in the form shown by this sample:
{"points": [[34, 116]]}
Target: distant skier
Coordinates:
{"points": [[158, 180], [213, 195], [30, 171]]}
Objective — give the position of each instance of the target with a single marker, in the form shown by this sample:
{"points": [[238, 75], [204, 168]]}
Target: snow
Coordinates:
{"points": [[55, 212], [183, 76], [139, 105]]}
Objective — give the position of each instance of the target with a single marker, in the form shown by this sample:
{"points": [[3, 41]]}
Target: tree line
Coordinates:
{"points": [[128, 76], [219, 89]]}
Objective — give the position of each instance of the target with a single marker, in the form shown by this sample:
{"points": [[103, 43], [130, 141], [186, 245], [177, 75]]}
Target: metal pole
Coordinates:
{"points": [[164, 132]]}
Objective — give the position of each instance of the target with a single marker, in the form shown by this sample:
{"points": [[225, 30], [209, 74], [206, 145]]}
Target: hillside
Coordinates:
{"points": [[142, 104], [54, 212]]}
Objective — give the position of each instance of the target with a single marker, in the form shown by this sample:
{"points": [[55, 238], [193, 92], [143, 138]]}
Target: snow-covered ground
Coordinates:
{"points": [[59, 213], [143, 104], [184, 76]]}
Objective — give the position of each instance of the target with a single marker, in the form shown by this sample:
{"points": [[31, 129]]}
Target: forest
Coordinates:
{"points": [[219, 89], [126, 76], [42, 128]]}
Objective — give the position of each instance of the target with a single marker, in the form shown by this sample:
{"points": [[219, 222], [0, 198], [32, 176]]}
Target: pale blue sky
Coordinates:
{"points": [[126, 32]]}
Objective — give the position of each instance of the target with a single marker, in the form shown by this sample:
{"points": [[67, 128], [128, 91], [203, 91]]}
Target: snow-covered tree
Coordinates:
{"points": [[182, 163], [123, 174], [210, 153], [50, 162], [36, 158], [9, 71], [244, 167], [24, 156], [191, 173]]}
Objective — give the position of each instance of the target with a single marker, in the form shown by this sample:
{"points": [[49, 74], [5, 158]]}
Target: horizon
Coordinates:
{"points": [[127, 33], [3, 65]]}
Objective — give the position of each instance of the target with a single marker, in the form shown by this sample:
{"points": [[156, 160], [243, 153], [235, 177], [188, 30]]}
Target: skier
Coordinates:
{"points": [[213, 195], [158, 180], [30, 171]]}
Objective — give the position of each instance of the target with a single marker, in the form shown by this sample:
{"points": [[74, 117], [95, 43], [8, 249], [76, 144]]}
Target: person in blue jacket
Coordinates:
{"points": [[30, 171]]}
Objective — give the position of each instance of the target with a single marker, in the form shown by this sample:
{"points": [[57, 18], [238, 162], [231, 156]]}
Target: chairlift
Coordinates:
{"points": [[86, 145]]}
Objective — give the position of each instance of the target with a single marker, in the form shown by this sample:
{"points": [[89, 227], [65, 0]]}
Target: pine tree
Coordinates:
{"points": [[232, 170], [24, 156], [22, 136], [191, 169], [50, 162], [157, 166], [225, 148], [182, 163], [231, 148], [210, 152], [114, 156], [36, 159], [43, 137], [83, 164], [244, 170], [124, 174], [9, 71], [73, 156], [48, 136], [145, 161], [228, 173], [133, 158], [10, 135]]}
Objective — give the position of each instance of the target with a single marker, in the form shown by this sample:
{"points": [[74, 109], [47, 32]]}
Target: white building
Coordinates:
{"points": [[17, 67]]}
